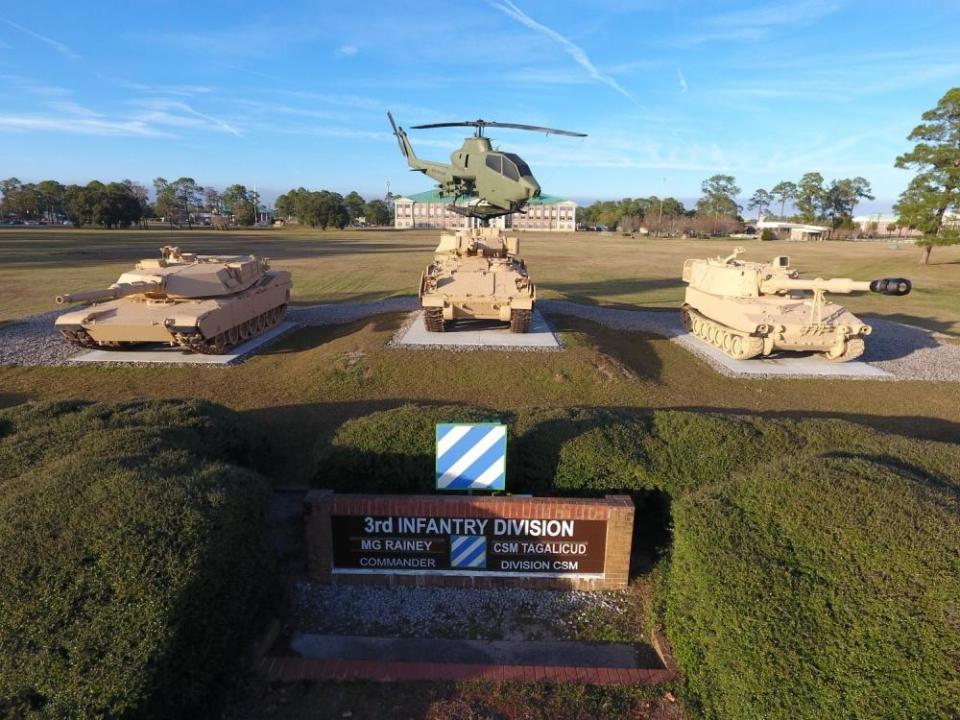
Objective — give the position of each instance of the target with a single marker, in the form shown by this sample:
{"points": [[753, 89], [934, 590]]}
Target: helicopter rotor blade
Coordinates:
{"points": [[489, 123], [469, 123], [536, 128]]}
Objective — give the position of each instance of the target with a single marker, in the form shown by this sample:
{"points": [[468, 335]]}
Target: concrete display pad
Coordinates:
{"points": [[479, 335], [155, 353], [796, 365]]}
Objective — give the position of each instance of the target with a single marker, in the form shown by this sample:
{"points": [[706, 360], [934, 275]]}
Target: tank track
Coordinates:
{"points": [[736, 344], [520, 321], [433, 319], [852, 349], [80, 337], [219, 344]]}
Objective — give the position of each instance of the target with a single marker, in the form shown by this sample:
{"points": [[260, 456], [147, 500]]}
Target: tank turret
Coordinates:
{"points": [[748, 309], [205, 303]]}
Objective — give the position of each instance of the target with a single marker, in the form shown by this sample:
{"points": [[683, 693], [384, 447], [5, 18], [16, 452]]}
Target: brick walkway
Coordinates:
{"points": [[290, 669]]}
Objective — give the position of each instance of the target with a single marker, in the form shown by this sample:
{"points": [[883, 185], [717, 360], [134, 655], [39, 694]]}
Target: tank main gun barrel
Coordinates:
{"points": [[842, 286], [110, 293]]}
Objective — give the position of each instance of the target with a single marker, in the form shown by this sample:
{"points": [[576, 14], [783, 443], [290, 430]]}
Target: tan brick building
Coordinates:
{"points": [[429, 210]]}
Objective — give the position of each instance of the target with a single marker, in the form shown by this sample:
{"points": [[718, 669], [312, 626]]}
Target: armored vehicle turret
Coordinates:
{"points": [[476, 275], [204, 303], [747, 309]]}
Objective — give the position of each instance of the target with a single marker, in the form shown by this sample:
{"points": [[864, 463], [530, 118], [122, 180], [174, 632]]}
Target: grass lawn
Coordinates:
{"points": [[301, 389], [36, 264]]}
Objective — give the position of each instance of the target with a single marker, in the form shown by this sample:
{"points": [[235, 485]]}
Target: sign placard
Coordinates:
{"points": [[468, 545], [471, 456]]}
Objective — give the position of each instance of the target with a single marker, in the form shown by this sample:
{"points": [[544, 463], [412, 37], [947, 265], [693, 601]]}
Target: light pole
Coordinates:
{"points": [[660, 213]]}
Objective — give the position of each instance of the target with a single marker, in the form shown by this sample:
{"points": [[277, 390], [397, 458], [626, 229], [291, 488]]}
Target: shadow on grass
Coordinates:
{"points": [[917, 321], [10, 399], [311, 337], [916, 427], [633, 349]]}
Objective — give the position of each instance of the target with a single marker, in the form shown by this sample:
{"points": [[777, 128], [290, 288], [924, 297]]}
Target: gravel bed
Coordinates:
{"points": [[912, 353], [33, 341], [909, 353], [466, 613]]}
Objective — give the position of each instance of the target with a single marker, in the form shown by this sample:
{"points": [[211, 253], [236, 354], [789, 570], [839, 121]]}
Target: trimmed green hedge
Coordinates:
{"points": [[815, 569], [135, 556], [389, 452]]}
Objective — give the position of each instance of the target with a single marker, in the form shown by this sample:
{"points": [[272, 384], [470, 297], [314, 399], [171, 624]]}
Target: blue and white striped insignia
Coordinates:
{"points": [[468, 551], [471, 456]]}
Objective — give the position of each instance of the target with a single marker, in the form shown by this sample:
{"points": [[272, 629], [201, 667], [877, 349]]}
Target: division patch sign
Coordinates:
{"points": [[471, 456]]}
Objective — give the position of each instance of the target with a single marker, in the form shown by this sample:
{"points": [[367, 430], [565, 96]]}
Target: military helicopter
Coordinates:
{"points": [[498, 183]]}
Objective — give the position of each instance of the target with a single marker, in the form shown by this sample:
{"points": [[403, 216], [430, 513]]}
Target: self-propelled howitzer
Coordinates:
{"points": [[748, 309], [204, 303]]}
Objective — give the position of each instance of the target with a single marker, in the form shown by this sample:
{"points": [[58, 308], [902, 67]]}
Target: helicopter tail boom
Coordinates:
{"points": [[438, 171]]}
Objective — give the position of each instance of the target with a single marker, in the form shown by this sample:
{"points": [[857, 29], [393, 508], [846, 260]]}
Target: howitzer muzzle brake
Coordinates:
{"points": [[891, 286]]}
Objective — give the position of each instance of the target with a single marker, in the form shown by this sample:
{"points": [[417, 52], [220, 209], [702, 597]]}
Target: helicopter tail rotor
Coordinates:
{"points": [[402, 140]]}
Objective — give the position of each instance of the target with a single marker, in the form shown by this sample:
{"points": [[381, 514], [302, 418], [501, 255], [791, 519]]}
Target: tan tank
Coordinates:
{"points": [[205, 303], [476, 275], [747, 309]]}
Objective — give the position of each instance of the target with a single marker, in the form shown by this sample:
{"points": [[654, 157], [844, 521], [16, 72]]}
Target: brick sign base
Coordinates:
{"points": [[463, 541]]}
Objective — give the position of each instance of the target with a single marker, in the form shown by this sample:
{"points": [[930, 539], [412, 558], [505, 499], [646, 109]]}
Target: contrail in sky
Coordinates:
{"points": [[58, 46], [574, 51]]}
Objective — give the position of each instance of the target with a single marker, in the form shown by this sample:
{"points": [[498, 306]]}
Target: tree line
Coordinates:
{"points": [[323, 209], [112, 205], [128, 204], [630, 214], [180, 201], [718, 211], [813, 200]]}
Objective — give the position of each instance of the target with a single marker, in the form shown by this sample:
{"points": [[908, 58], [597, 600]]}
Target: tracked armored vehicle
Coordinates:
{"points": [[749, 309], [204, 303], [476, 275]]}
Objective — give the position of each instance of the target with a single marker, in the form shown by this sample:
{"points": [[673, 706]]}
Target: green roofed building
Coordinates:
{"points": [[429, 210]]}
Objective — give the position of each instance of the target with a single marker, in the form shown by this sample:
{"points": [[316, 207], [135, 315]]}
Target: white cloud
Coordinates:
{"points": [[58, 46], [352, 101], [34, 87], [165, 112], [765, 16], [683, 81], [347, 51], [178, 90], [79, 126], [573, 50], [71, 108], [755, 24]]}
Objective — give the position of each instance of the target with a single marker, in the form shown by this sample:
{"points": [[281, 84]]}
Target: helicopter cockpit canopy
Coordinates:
{"points": [[508, 164]]}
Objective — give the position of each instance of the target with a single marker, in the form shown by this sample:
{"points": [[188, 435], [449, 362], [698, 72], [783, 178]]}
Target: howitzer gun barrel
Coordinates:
{"points": [[842, 286], [111, 293]]}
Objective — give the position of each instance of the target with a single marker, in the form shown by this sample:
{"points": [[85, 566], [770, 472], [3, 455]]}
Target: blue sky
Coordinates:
{"points": [[296, 93]]}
